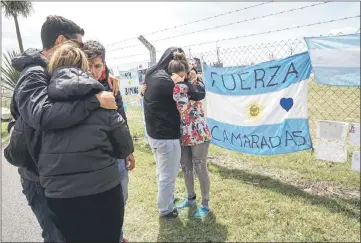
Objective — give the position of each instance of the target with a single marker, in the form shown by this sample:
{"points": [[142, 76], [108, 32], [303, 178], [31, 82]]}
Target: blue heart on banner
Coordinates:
{"points": [[286, 103]]}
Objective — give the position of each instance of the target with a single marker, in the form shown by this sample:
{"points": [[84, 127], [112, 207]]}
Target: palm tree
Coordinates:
{"points": [[14, 9], [9, 76]]}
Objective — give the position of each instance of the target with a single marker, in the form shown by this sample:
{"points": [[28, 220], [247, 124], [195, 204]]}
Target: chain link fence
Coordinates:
{"points": [[324, 102]]}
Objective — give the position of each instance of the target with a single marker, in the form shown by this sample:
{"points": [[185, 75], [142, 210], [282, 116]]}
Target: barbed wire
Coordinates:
{"points": [[274, 31], [225, 25], [133, 55], [254, 34], [243, 21], [193, 22]]}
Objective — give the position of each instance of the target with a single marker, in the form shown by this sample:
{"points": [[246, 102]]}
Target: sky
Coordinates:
{"points": [[110, 22]]}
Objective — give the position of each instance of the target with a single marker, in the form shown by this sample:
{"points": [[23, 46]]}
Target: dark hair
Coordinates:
{"points": [[178, 64], [164, 60], [54, 26], [94, 49], [194, 69]]}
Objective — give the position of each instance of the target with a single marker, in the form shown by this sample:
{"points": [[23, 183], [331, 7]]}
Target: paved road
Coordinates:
{"points": [[18, 221]]}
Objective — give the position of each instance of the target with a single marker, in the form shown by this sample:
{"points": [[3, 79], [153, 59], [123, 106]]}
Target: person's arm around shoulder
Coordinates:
{"points": [[40, 113], [197, 90]]}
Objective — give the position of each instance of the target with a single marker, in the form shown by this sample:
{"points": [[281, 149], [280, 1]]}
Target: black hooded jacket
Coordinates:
{"points": [[161, 115], [34, 111], [82, 160]]}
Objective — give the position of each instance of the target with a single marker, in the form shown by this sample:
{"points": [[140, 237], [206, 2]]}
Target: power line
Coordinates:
{"points": [[243, 21], [194, 22], [229, 24], [254, 34], [133, 55], [274, 31]]}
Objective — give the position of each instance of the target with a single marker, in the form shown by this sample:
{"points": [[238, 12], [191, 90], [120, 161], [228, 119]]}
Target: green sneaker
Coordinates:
{"points": [[186, 204], [202, 212]]}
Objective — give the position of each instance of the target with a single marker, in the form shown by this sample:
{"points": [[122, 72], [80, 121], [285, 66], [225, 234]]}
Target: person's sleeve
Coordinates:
{"points": [[120, 137], [180, 96], [40, 113], [120, 105], [167, 85], [197, 91], [11, 124], [16, 152]]}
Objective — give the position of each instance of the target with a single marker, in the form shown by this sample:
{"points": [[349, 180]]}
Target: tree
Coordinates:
{"points": [[13, 9], [9, 76]]}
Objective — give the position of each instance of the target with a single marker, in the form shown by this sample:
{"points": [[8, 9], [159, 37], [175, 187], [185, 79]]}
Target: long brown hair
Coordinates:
{"points": [[68, 54], [179, 63]]}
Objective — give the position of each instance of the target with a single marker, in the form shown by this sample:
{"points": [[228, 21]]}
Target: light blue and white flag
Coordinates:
{"points": [[335, 59], [260, 109]]}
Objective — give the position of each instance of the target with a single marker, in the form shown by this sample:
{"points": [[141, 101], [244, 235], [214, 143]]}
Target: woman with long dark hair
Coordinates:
{"points": [[163, 127]]}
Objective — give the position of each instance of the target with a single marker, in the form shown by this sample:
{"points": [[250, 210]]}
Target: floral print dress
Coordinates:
{"points": [[194, 128]]}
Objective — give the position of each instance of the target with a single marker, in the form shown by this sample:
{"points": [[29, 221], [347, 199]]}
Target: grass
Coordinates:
{"points": [[290, 198], [4, 131], [247, 205]]}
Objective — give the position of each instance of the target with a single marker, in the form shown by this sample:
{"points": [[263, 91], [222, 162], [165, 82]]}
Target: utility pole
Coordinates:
{"points": [[217, 51], [189, 52], [151, 49], [219, 63]]}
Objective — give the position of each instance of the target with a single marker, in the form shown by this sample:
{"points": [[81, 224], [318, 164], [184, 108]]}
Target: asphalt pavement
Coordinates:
{"points": [[18, 223]]}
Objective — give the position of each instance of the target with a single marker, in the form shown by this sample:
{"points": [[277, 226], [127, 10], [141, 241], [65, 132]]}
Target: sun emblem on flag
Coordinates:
{"points": [[254, 110]]}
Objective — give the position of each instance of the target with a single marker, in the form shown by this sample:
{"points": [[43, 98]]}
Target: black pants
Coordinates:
{"points": [[90, 218]]}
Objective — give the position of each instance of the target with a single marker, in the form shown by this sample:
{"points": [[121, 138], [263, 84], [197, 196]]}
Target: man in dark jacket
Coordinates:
{"points": [[95, 52], [33, 112], [163, 128]]}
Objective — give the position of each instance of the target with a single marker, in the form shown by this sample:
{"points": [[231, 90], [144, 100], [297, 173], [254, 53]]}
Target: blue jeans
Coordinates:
{"points": [[124, 180], [167, 154], [34, 193]]}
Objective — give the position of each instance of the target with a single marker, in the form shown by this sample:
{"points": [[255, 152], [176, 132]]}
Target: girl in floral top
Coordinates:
{"points": [[195, 134]]}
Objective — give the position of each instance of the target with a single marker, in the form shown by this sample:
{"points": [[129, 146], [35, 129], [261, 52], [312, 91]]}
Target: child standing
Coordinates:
{"points": [[195, 135]]}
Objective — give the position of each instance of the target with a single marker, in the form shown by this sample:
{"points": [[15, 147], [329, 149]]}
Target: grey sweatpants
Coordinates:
{"points": [[196, 157]]}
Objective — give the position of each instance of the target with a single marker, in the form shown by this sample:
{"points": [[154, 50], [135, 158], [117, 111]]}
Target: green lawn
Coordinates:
{"points": [[248, 203], [291, 197], [4, 131]]}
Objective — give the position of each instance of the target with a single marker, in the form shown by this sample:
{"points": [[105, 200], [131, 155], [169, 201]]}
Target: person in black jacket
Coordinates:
{"points": [[78, 166], [163, 128], [33, 111], [95, 52]]}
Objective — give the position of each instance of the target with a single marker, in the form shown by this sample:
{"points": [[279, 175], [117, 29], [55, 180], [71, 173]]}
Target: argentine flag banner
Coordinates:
{"points": [[260, 109], [335, 59]]}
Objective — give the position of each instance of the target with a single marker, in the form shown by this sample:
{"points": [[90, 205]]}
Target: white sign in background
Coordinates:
{"points": [[129, 82], [332, 130], [355, 134], [356, 161], [333, 151]]}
